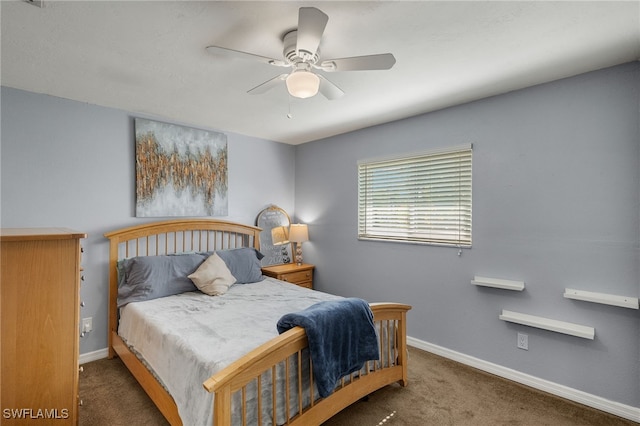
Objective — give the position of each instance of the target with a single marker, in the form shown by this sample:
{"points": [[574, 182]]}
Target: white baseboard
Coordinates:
{"points": [[93, 356], [626, 411]]}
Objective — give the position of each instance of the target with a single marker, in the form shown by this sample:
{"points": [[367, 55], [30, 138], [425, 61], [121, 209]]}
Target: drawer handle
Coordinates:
{"points": [[284, 278], [82, 303], [81, 369]]}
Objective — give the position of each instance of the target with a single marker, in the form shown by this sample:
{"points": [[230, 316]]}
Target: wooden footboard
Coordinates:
{"points": [[286, 351]]}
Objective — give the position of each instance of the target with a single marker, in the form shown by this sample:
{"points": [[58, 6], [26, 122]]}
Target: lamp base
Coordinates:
{"points": [[299, 254]]}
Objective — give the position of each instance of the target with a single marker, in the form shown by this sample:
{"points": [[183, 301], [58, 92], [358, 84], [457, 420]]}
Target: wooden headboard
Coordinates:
{"points": [[168, 237]]}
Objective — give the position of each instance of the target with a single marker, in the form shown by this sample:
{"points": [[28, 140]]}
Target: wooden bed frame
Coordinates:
{"points": [[175, 236]]}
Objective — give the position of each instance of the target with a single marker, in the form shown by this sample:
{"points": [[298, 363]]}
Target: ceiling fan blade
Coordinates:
{"points": [[267, 85], [328, 89], [383, 61], [230, 53], [311, 25]]}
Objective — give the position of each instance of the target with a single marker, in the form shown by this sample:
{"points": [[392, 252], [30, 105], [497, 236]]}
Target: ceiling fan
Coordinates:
{"points": [[301, 53]]}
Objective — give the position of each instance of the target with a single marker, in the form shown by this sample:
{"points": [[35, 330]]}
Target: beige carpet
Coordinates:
{"points": [[440, 392]]}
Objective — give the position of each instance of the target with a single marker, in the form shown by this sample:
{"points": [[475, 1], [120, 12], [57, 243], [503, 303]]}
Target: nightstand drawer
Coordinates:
{"points": [[305, 284], [297, 277], [301, 275]]}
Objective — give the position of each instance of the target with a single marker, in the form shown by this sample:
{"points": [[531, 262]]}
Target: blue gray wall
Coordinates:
{"points": [[69, 164], [556, 184]]}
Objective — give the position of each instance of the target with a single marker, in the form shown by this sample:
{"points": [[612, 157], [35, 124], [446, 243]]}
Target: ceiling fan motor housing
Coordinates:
{"points": [[289, 51]]}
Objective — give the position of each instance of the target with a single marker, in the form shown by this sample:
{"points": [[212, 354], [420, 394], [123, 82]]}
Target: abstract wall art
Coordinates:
{"points": [[180, 171]]}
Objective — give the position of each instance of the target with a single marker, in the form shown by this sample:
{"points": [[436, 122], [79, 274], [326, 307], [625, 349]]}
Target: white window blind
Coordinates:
{"points": [[423, 198]]}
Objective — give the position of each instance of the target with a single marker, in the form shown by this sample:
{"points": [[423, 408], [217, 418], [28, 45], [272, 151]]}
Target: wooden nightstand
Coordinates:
{"points": [[301, 275]]}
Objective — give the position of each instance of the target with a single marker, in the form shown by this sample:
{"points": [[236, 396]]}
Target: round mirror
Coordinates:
{"points": [[274, 237]]}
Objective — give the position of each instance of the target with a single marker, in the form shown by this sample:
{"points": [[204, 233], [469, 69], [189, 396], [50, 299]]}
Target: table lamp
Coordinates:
{"points": [[298, 233]]}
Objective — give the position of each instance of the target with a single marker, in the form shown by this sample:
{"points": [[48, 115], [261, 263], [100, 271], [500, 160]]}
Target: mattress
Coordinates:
{"points": [[186, 338]]}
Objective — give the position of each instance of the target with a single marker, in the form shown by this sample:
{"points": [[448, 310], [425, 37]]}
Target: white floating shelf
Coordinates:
{"points": [[549, 324], [498, 283], [606, 299]]}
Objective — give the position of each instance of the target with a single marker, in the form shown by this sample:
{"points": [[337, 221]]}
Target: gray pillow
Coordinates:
{"points": [[151, 277], [244, 264]]}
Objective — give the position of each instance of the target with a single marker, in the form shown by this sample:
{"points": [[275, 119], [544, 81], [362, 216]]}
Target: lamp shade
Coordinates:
{"points": [[302, 84], [298, 233], [279, 235]]}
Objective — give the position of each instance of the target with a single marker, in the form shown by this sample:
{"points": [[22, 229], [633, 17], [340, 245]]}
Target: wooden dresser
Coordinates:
{"points": [[301, 275], [39, 311]]}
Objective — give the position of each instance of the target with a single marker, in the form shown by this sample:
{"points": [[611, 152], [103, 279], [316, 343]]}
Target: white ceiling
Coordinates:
{"points": [[150, 58]]}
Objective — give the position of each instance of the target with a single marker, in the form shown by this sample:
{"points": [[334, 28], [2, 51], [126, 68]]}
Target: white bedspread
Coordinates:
{"points": [[188, 337]]}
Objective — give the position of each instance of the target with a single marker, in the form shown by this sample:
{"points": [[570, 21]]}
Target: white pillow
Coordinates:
{"points": [[213, 277]]}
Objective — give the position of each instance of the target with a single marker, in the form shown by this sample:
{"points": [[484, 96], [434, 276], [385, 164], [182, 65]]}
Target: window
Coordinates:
{"points": [[423, 198]]}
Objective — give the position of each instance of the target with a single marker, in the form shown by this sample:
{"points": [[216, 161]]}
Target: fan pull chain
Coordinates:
{"points": [[289, 115]]}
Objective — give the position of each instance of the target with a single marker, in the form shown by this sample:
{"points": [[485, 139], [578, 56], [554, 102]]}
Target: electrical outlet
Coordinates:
{"points": [[523, 341], [87, 324]]}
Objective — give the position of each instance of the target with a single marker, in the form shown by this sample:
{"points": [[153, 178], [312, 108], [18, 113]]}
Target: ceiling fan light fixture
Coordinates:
{"points": [[302, 84]]}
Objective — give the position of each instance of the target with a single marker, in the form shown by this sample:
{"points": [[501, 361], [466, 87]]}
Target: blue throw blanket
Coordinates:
{"points": [[341, 337]]}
